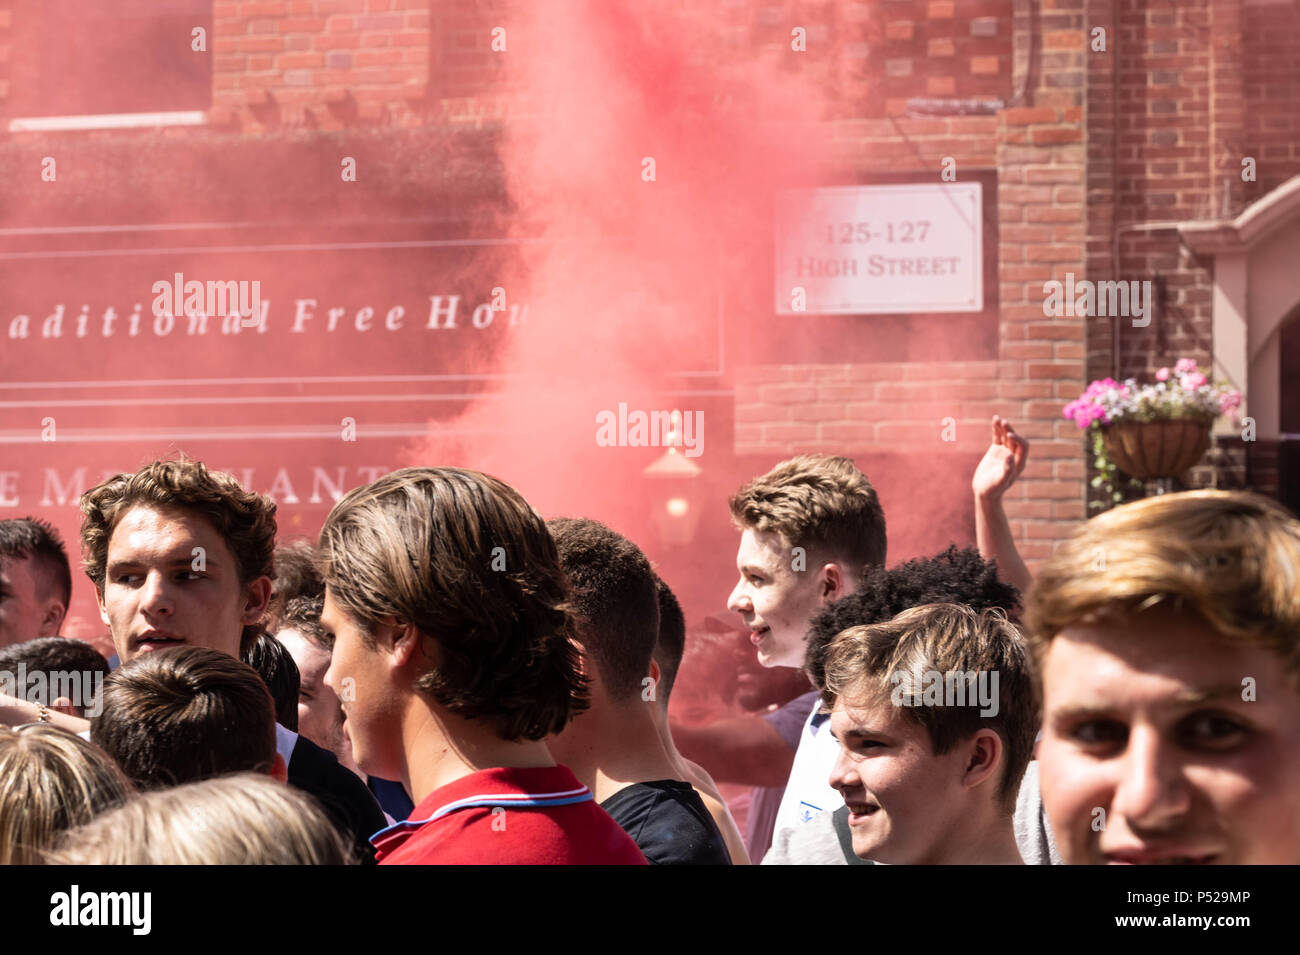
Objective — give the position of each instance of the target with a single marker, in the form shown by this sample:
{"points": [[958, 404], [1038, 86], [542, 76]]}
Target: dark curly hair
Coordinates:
{"points": [[245, 519], [957, 576], [296, 577], [463, 558], [303, 614]]}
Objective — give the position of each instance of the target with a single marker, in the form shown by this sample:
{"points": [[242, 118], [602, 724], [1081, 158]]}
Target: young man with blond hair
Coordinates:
{"points": [[1167, 633], [810, 528], [935, 716]]}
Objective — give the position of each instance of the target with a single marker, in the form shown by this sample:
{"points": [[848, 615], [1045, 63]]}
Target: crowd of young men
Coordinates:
{"points": [[457, 680]]}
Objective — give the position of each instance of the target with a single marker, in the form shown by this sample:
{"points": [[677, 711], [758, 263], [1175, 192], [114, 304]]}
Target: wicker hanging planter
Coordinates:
{"points": [[1156, 449]]}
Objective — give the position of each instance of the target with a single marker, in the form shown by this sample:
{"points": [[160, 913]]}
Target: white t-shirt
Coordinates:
{"points": [[808, 791], [285, 740]]}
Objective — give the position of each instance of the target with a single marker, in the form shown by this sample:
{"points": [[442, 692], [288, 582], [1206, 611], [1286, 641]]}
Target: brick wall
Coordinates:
{"points": [[872, 57], [1184, 92], [1171, 122], [1270, 76], [319, 63]]}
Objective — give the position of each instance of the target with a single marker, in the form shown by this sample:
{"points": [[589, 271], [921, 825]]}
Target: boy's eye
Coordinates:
{"points": [[1100, 732], [1211, 731], [858, 746]]}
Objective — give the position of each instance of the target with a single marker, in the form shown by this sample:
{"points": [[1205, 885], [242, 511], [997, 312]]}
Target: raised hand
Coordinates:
{"points": [[1002, 463]]}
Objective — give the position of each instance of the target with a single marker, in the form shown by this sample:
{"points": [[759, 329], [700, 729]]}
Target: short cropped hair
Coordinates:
{"points": [[175, 716], [958, 576], [50, 780], [463, 558], [1231, 558], [244, 519], [242, 819], [275, 665], [615, 598], [28, 538], [671, 646], [52, 654], [819, 502], [66, 656], [863, 664]]}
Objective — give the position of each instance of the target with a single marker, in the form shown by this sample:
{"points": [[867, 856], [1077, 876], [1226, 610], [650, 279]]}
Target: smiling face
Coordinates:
{"points": [[775, 600], [905, 803], [1144, 720], [158, 593]]}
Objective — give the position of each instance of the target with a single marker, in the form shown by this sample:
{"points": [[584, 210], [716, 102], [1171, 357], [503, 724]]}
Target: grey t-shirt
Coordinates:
{"points": [[1033, 833], [818, 841]]}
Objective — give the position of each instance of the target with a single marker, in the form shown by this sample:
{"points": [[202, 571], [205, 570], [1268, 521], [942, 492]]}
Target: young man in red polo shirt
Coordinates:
{"points": [[453, 660]]}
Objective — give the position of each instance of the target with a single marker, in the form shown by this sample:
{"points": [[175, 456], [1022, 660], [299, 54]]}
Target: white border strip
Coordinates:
{"points": [[292, 399], [54, 124]]}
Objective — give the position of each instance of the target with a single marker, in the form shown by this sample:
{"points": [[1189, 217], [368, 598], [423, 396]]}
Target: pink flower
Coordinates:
{"points": [[1229, 401], [1193, 381], [1162, 374], [1185, 366]]}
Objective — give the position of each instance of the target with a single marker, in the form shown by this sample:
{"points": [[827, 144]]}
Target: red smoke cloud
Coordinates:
{"points": [[640, 155]]}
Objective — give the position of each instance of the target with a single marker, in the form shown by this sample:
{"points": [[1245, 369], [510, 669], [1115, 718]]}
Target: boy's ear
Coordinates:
{"points": [[402, 640], [103, 610], [833, 582], [984, 757], [258, 599], [655, 672], [52, 618], [279, 769]]}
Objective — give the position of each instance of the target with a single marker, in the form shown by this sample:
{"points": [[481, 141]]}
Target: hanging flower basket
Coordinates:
{"points": [[1152, 431], [1148, 450]]}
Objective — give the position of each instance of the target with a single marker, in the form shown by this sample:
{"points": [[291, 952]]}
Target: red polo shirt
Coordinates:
{"points": [[508, 817]]}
